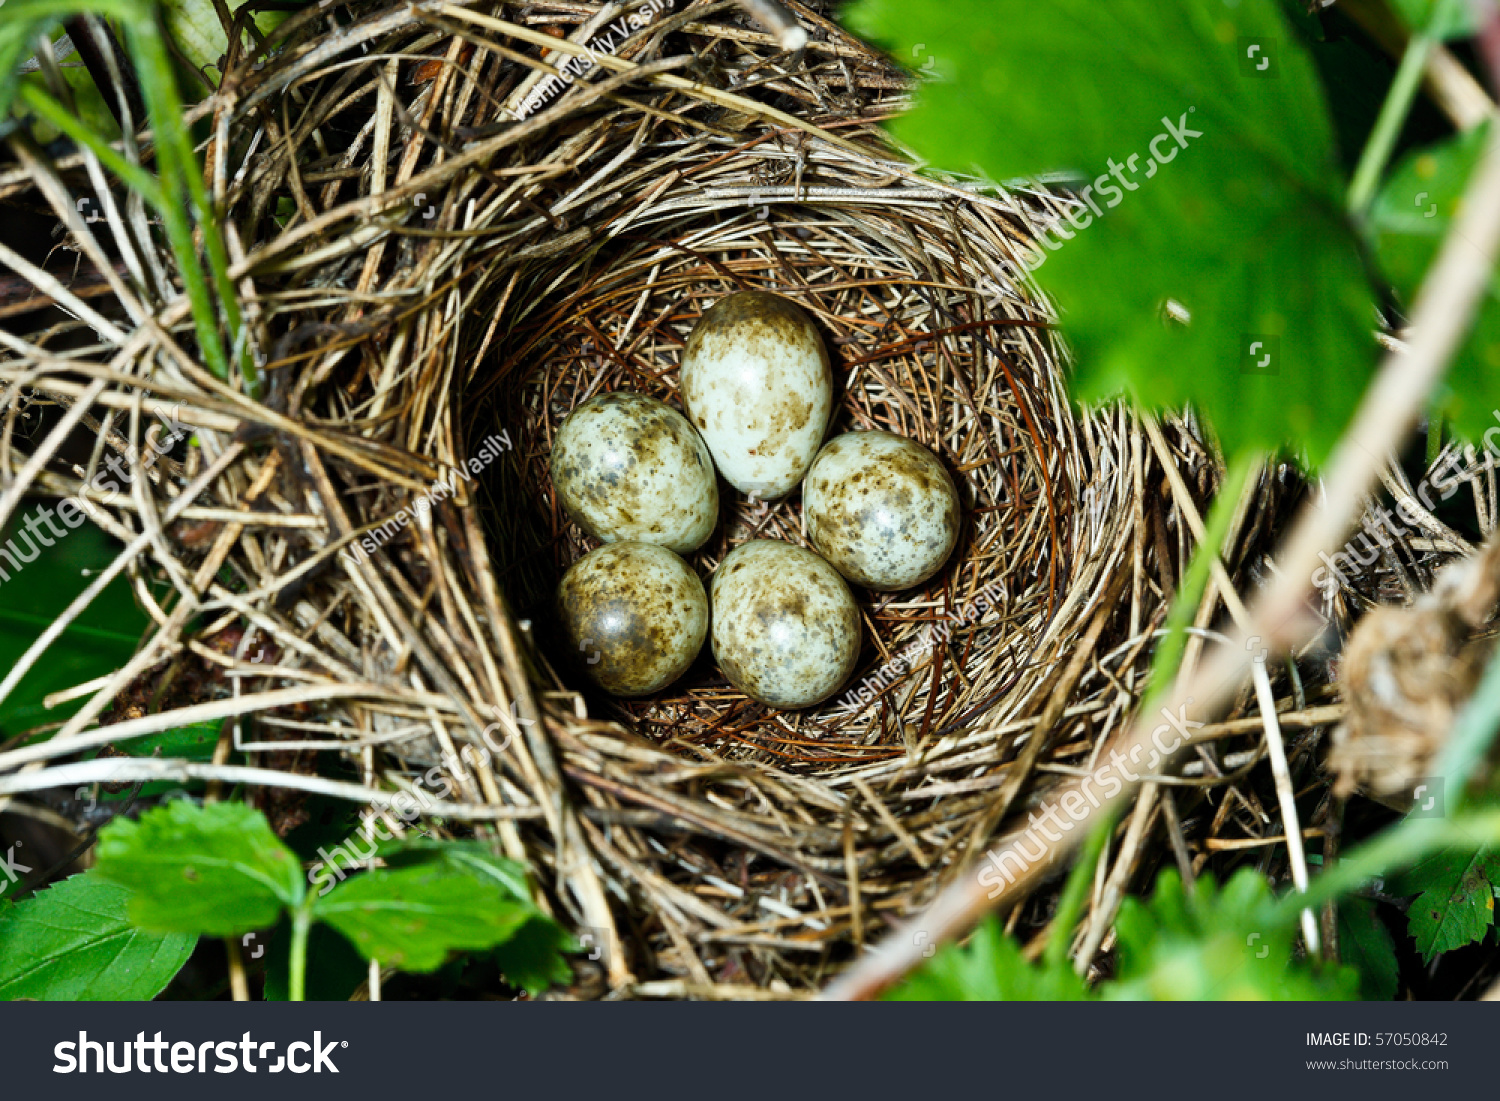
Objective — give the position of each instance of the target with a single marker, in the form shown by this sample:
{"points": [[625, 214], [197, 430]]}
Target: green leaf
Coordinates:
{"points": [[533, 958], [1455, 901], [413, 917], [99, 641], [195, 742], [73, 942], [1439, 18], [1409, 220], [473, 857], [1215, 945], [195, 27], [990, 968], [1367, 946], [216, 869], [1240, 221]]}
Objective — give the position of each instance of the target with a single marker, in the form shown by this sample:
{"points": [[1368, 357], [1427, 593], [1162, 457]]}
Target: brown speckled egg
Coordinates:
{"points": [[756, 382], [636, 614], [881, 509], [785, 629], [626, 466]]}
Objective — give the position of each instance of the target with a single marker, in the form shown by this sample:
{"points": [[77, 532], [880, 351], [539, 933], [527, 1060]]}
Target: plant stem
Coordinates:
{"points": [[1388, 124], [132, 175], [175, 166], [297, 980], [1168, 659], [1397, 106], [1473, 734], [1074, 892]]}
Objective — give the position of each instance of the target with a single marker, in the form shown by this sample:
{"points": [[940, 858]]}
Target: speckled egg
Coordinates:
{"points": [[636, 614], [756, 382], [881, 509], [626, 466], [785, 631]]}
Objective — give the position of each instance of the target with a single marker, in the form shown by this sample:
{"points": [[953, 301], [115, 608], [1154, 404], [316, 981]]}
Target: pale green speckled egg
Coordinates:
{"points": [[785, 629], [635, 613], [881, 509], [626, 466], [756, 382]]}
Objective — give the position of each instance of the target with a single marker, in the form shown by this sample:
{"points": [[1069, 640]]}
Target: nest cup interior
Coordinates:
{"points": [[930, 336]]}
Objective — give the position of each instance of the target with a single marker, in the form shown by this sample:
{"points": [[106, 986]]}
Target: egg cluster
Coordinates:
{"points": [[636, 474]]}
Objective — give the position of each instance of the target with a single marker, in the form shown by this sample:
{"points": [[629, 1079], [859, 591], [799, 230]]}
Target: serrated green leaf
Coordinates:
{"points": [[1241, 222], [1367, 945], [1455, 901], [1410, 218], [1439, 18], [217, 869], [989, 968], [533, 958], [1215, 945], [73, 942], [413, 917]]}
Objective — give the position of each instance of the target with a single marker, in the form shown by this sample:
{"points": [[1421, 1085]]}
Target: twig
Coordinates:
{"points": [[1286, 796]]}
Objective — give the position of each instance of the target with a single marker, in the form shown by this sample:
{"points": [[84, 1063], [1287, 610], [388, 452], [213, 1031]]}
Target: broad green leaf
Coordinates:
{"points": [[533, 958], [1206, 161], [33, 593], [1410, 218], [1215, 945], [990, 968], [1367, 946], [462, 856], [1455, 901], [73, 942], [1439, 18], [216, 869], [412, 918]]}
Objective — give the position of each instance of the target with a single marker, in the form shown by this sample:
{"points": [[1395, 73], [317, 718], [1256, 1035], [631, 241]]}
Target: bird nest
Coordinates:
{"points": [[441, 250]]}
